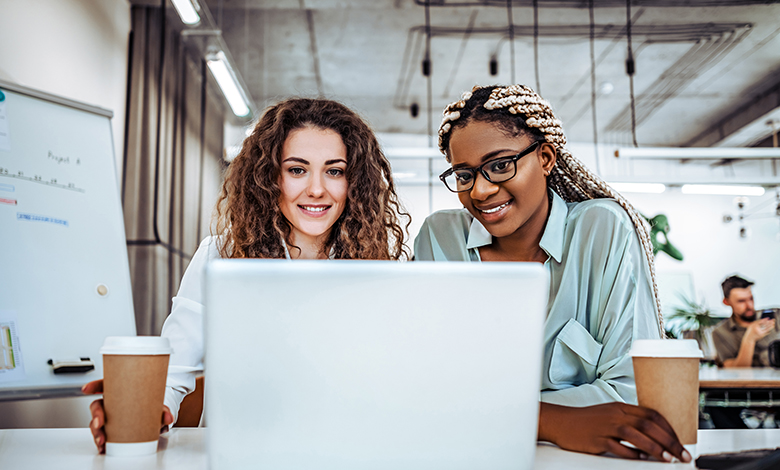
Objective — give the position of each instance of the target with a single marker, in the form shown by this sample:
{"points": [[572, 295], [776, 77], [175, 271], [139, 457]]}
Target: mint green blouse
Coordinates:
{"points": [[601, 294]]}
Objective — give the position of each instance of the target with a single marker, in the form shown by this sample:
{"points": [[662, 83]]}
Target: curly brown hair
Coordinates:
{"points": [[249, 221]]}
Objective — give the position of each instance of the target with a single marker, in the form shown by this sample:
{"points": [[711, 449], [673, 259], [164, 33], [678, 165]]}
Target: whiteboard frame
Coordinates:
{"points": [[56, 99], [62, 390]]}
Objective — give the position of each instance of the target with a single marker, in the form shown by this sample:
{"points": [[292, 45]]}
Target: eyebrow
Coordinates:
{"points": [[486, 157], [306, 162]]}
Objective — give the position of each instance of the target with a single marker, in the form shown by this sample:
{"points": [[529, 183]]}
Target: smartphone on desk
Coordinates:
{"points": [[760, 459]]}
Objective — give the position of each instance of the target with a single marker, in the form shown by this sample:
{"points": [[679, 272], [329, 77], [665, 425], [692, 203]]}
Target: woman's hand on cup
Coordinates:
{"points": [[608, 428], [98, 421]]}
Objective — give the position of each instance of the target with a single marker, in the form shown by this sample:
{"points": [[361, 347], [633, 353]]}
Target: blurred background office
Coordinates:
{"points": [[677, 106]]}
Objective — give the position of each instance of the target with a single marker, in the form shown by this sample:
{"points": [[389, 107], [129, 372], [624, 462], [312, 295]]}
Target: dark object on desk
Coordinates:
{"points": [[774, 353], [759, 459], [82, 364]]}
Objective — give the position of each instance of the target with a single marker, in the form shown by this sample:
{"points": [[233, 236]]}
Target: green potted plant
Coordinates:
{"points": [[695, 321]]}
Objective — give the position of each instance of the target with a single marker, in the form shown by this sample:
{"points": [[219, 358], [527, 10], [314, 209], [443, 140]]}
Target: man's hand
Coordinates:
{"points": [[603, 428], [96, 425], [754, 332], [759, 329]]}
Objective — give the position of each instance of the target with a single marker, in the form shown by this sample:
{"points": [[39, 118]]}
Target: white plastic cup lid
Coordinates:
{"points": [[136, 345], [666, 348]]}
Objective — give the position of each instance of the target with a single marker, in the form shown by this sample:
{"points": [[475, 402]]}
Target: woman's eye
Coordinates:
{"points": [[336, 172], [297, 171], [463, 177], [500, 166]]}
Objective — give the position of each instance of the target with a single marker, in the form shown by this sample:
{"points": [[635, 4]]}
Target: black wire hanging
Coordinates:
{"points": [[536, 46], [428, 72], [630, 69], [593, 84], [510, 20]]}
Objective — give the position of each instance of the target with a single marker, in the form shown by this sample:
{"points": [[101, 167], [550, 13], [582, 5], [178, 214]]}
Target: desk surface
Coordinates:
{"points": [[66, 449], [739, 377]]}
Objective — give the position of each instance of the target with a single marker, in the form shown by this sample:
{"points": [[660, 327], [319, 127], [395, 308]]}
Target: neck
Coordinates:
{"points": [[739, 321], [306, 247], [518, 249]]}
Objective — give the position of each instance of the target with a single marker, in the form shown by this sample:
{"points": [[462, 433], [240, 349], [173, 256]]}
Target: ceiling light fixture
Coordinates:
{"points": [[685, 153], [228, 83], [648, 188], [187, 10], [723, 190]]}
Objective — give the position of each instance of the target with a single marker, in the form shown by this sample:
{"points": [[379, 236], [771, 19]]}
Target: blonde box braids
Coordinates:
{"points": [[569, 177]]}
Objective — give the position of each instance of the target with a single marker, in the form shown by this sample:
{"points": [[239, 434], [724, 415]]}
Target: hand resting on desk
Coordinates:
{"points": [[99, 415], [601, 428]]}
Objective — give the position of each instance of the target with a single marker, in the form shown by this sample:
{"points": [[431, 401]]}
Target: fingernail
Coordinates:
{"points": [[97, 441], [94, 423], [643, 456], [686, 456], [667, 456]]}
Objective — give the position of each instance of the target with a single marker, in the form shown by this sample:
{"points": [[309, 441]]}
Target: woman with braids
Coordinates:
{"points": [[311, 182], [526, 198]]}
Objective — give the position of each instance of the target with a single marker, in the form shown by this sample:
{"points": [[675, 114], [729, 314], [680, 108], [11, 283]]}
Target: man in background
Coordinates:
{"points": [[742, 340]]}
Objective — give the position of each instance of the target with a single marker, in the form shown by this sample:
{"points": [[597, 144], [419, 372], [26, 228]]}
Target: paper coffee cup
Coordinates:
{"points": [[667, 381], [134, 373]]}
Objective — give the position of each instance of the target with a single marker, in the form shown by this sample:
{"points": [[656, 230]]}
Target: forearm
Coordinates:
{"points": [[745, 356], [552, 420]]}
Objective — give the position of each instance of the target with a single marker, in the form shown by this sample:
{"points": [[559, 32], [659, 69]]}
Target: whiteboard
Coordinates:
{"points": [[64, 275]]}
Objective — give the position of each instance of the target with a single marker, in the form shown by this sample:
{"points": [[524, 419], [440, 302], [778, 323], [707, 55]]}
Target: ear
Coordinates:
{"points": [[726, 302], [547, 157]]}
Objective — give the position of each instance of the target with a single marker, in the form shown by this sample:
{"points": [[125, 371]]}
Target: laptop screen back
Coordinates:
{"points": [[370, 364]]}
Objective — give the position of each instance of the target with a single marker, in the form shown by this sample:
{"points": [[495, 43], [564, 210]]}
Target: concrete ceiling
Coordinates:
{"points": [[705, 71]]}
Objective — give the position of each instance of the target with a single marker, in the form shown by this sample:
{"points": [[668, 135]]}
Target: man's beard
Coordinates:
{"points": [[749, 316]]}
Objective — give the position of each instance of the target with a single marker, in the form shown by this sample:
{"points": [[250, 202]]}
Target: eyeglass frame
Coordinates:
{"points": [[481, 168]]}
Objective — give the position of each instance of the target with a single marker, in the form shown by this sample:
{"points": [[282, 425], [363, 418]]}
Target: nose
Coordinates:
{"points": [[482, 188], [316, 187]]}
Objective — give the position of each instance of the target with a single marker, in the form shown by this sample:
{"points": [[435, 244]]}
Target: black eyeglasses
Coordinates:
{"points": [[496, 171]]}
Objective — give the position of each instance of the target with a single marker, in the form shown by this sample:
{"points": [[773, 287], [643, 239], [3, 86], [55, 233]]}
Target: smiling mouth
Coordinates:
{"points": [[494, 209], [315, 208]]}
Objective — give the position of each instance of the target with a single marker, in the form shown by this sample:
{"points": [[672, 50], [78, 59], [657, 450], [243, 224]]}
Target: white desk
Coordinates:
{"points": [[739, 378], [183, 449]]}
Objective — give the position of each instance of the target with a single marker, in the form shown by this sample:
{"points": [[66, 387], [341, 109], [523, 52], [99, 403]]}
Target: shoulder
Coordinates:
{"points": [[602, 208], [207, 250], [448, 218], [603, 214], [443, 235], [722, 328]]}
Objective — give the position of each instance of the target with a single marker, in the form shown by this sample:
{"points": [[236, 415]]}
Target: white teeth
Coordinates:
{"points": [[315, 209], [495, 209]]}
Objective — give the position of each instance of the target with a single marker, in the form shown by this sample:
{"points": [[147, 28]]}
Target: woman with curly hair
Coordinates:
{"points": [[526, 198], [311, 182]]}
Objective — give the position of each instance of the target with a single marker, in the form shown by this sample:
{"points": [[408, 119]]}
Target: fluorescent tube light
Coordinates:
{"points": [[725, 190], [683, 153], [413, 152], [228, 83], [187, 11], [650, 188]]}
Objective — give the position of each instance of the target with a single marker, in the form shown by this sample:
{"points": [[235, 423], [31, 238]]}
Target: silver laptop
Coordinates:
{"points": [[372, 365]]}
